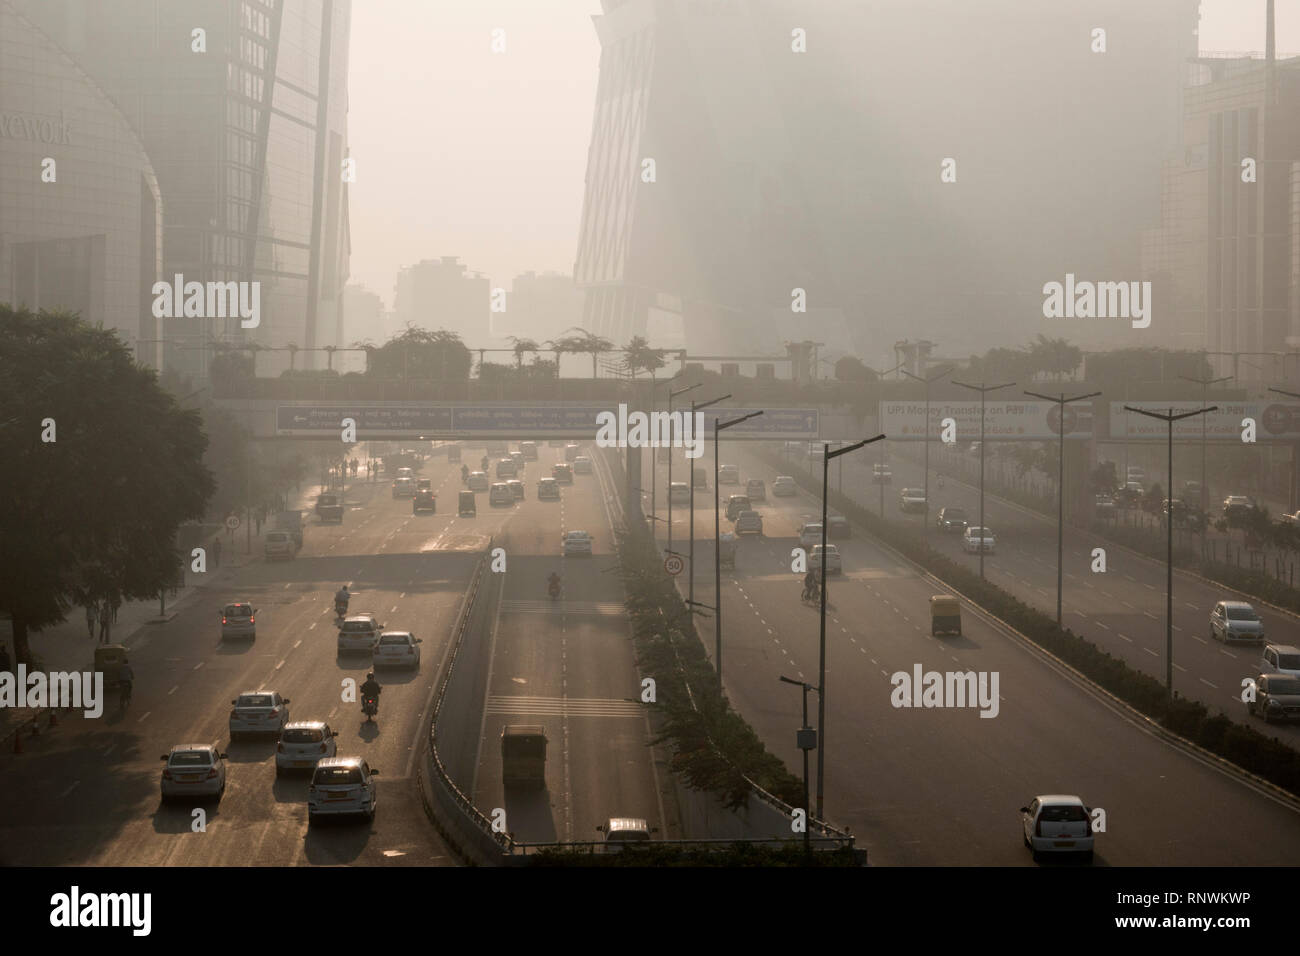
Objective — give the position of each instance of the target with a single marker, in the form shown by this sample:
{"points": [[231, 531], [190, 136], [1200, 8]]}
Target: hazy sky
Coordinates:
{"points": [[464, 152]]}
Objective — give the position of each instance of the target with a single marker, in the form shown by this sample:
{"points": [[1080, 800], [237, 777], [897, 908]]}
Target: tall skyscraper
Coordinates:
{"points": [[242, 109]]}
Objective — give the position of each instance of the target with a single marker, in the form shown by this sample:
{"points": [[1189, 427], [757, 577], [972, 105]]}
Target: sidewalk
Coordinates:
{"points": [[66, 647]]}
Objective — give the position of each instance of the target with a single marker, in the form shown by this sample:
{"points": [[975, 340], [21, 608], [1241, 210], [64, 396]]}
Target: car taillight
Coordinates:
{"points": [[224, 621], [167, 774], [252, 620], [212, 773], [275, 712]]}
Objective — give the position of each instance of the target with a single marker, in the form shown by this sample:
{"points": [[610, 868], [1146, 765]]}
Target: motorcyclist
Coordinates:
{"points": [[125, 680], [553, 582], [341, 598], [371, 688], [484, 463], [464, 473], [810, 584]]}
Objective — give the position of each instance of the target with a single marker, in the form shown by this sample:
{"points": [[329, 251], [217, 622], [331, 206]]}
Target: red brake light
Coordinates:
{"points": [[167, 774], [252, 620], [212, 773], [223, 620]]}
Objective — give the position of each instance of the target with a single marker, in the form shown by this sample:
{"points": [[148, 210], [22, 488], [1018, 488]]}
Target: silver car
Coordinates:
{"points": [[398, 649], [749, 522], [258, 712], [358, 633], [1057, 823], [302, 744], [833, 565], [1235, 621], [784, 486], [193, 770], [238, 620], [342, 786], [1280, 659]]}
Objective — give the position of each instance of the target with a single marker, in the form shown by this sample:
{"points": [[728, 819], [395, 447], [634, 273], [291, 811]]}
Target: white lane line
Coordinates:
{"points": [[1150, 615], [297, 642], [1106, 626], [1201, 639], [174, 690], [1189, 604], [1151, 652], [143, 716], [1207, 683], [279, 665], [70, 789], [1181, 668], [198, 665], [1227, 654]]}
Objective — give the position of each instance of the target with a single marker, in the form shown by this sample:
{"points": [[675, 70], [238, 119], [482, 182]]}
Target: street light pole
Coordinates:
{"points": [[654, 451], [1205, 383], [690, 582], [806, 739], [827, 455], [925, 516], [983, 390], [1169, 527], [718, 426], [673, 393], [1060, 486]]}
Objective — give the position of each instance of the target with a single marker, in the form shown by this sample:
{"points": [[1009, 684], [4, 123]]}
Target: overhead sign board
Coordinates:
{"points": [[397, 420], [1003, 421], [1274, 421]]}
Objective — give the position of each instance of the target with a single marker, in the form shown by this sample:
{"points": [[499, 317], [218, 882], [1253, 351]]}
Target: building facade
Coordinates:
{"points": [[242, 108], [80, 208], [443, 294]]}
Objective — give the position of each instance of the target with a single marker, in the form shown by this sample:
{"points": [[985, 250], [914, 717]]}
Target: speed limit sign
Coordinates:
{"points": [[232, 522], [673, 564]]}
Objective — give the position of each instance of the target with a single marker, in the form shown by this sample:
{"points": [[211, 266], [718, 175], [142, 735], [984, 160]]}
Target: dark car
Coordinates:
{"points": [[952, 519], [837, 526], [1277, 697], [329, 507], [424, 500]]}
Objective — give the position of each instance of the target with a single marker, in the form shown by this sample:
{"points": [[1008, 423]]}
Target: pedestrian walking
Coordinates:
{"points": [[90, 619], [216, 551], [105, 621]]}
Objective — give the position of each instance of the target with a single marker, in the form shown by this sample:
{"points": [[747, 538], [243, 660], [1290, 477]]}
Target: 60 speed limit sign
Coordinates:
{"points": [[232, 522], [674, 565]]}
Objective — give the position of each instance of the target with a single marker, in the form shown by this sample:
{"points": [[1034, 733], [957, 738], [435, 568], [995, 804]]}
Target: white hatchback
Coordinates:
{"points": [[258, 712], [397, 649], [342, 786], [302, 744], [1057, 823], [194, 770]]}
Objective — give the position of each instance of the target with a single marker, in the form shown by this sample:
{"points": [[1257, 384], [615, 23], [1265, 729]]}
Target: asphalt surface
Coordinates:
{"points": [[942, 785], [88, 791], [567, 665]]}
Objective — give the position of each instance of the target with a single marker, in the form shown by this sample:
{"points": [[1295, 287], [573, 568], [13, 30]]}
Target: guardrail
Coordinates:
{"points": [[600, 846]]}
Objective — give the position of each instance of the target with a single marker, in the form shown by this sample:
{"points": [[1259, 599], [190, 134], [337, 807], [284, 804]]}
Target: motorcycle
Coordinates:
{"points": [[340, 609], [810, 593], [370, 707], [553, 588]]}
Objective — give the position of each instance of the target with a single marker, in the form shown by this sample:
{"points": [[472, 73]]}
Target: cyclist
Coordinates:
{"points": [[125, 678]]}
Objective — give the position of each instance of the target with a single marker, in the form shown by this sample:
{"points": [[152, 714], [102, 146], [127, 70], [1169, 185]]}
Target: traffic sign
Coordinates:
{"points": [[232, 522], [674, 565]]}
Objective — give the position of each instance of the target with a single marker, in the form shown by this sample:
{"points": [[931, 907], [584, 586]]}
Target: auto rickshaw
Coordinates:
{"points": [[945, 615], [109, 659], [727, 550]]}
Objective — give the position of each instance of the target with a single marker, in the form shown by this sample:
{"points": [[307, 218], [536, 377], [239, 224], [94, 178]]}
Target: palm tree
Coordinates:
{"points": [[584, 341], [520, 347], [638, 354]]}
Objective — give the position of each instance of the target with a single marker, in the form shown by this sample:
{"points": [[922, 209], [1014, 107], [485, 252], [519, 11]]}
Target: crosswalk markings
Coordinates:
{"points": [[563, 706], [600, 608]]}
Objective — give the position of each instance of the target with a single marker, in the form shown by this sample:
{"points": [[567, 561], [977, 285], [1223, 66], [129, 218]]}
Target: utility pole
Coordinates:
{"points": [[925, 518], [690, 584], [1205, 383], [673, 393], [983, 390], [718, 426]]}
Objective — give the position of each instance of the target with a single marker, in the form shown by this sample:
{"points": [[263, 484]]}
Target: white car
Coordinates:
{"points": [[279, 545], [501, 494], [1280, 659], [728, 475], [358, 632], [912, 501], [342, 786], [976, 539], [881, 475], [302, 744], [516, 489], [833, 565], [194, 770], [1235, 621], [477, 481], [1057, 823], [810, 534], [582, 465], [398, 649], [577, 542], [258, 712], [404, 487], [784, 486], [679, 493], [506, 468]]}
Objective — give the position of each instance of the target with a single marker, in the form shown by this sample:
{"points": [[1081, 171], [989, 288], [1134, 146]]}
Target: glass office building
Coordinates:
{"points": [[246, 126]]}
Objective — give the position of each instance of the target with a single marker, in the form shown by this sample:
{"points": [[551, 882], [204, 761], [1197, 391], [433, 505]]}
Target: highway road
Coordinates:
{"points": [[1121, 611], [568, 665], [942, 785]]}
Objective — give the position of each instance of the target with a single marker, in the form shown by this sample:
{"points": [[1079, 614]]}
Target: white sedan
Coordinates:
{"points": [[258, 712], [302, 744], [577, 542], [833, 565], [397, 649], [978, 539], [194, 770], [1057, 823]]}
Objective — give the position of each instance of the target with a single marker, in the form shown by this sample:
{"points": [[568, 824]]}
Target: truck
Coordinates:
{"points": [[292, 522]]}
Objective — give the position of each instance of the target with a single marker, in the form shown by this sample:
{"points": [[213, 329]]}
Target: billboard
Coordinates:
{"points": [[378, 420], [1274, 421], [1003, 421]]}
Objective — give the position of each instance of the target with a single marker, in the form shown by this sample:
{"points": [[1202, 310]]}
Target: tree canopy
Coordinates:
{"points": [[421, 354]]}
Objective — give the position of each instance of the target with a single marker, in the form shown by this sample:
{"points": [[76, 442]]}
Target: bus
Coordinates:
{"points": [[523, 756]]}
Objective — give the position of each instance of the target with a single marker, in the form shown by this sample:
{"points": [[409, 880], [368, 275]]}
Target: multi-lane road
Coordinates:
{"points": [[942, 785]]}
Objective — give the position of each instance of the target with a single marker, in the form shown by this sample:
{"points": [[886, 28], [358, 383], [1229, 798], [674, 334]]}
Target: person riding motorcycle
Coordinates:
{"points": [[370, 688], [464, 473], [484, 463], [810, 585], [553, 583], [341, 598]]}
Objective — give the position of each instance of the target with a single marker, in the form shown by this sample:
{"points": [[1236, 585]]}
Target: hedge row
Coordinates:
{"points": [[1246, 747], [713, 747]]}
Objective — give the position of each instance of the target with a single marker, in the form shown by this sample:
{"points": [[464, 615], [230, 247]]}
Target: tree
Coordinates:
{"points": [[421, 354], [638, 356], [96, 509], [851, 369], [521, 346], [583, 341]]}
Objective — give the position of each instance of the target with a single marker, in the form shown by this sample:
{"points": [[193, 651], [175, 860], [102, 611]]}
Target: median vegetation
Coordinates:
{"points": [[713, 746], [1246, 747]]}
